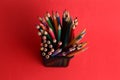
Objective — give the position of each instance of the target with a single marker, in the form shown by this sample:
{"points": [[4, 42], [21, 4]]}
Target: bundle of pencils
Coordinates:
{"points": [[58, 37]]}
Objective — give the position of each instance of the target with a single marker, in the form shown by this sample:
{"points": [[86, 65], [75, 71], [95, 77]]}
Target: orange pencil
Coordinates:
{"points": [[55, 23]]}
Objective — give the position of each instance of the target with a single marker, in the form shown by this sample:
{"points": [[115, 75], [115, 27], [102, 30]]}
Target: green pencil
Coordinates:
{"points": [[59, 32], [49, 23]]}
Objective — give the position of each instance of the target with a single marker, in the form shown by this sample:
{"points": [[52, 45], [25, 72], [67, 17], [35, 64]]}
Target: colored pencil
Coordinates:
{"points": [[42, 20], [43, 27], [58, 36], [49, 23], [52, 50], [45, 49], [58, 18], [47, 56], [67, 34], [50, 46], [47, 35], [65, 24], [55, 24], [44, 37], [76, 52], [49, 53], [50, 18], [39, 33], [45, 45], [48, 42], [42, 48], [56, 52], [52, 35], [59, 44], [43, 53], [78, 38], [59, 33]]}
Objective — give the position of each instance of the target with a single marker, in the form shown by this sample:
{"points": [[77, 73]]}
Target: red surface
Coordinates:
{"points": [[19, 43]]}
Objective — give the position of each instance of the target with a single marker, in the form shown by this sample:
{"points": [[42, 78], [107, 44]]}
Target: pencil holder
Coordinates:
{"points": [[58, 41], [57, 61]]}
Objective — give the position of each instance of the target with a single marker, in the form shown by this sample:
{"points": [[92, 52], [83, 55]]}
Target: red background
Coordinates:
{"points": [[19, 43]]}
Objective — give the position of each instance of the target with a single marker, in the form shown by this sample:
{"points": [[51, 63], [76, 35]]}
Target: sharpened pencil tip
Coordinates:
{"points": [[54, 40], [46, 18], [40, 18], [38, 27], [48, 14], [39, 34]]}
